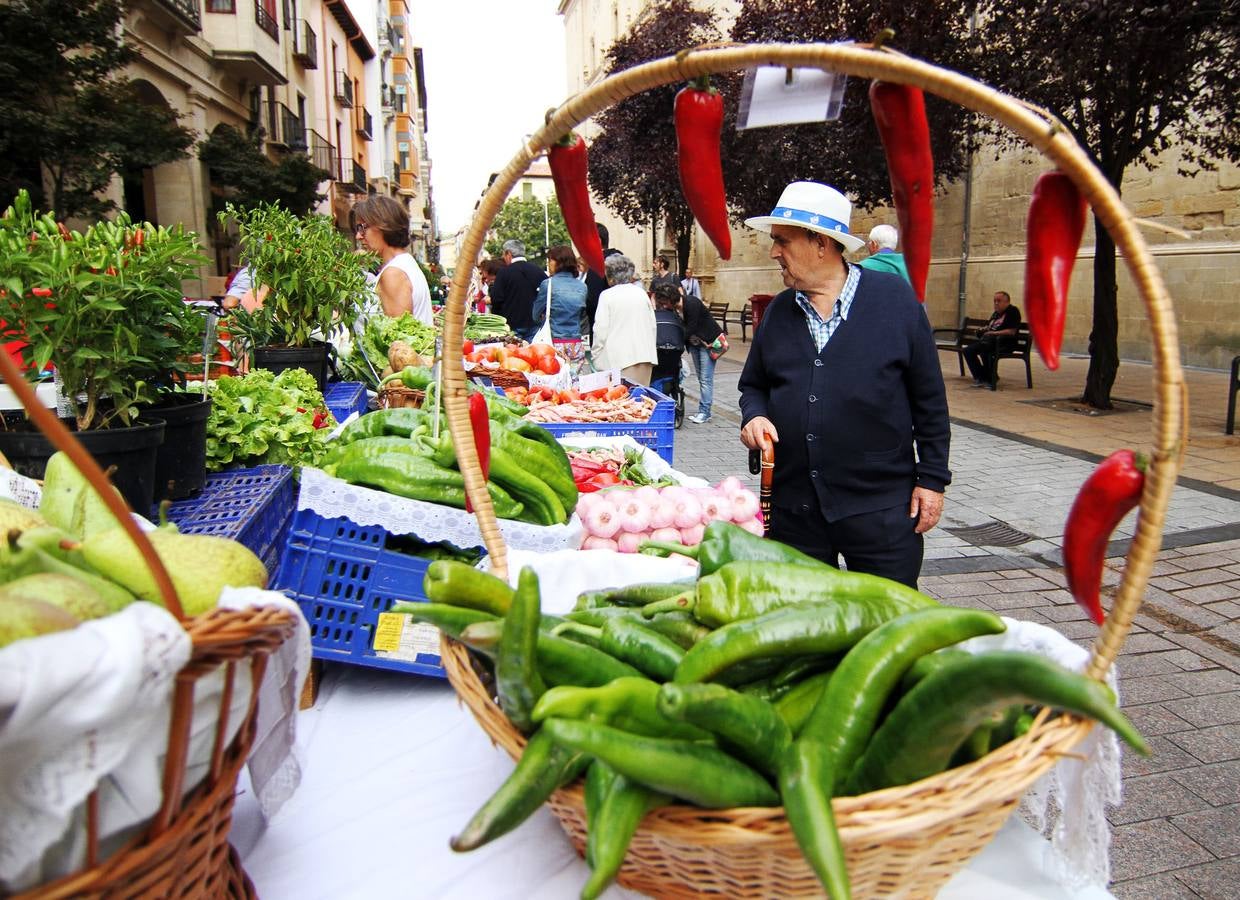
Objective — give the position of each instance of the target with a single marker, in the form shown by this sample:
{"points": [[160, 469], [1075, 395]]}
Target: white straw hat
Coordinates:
{"points": [[814, 206]]}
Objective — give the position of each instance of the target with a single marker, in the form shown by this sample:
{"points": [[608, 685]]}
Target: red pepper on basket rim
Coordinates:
{"points": [[568, 161], [1053, 233], [480, 424], [900, 115], [698, 112], [1107, 495]]}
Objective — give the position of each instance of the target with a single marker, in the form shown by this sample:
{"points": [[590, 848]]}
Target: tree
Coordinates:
{"points": [[633, 158], [1129, 81], [529, 222], [66, 117], [242, 174]]}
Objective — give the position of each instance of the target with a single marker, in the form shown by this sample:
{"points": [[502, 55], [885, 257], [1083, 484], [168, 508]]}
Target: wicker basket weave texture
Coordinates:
{"points": [[904, 841]]}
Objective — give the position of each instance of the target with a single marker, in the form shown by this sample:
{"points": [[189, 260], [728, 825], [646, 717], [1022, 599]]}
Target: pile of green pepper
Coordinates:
{"points": [[396, 450], [770, 680]]}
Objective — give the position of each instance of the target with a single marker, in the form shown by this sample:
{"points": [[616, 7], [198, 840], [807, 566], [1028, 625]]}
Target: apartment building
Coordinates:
{"points": [[312, 74]]}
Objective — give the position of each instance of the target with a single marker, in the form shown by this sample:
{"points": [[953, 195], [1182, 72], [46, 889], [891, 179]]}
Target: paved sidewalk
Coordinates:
{"points": [[1017, 461]]}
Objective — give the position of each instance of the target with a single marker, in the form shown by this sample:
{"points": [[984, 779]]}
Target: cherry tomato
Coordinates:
{"points": [[467, 347]]}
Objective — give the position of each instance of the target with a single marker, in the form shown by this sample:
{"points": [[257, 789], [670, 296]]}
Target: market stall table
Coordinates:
{"points": [[393, 766]]}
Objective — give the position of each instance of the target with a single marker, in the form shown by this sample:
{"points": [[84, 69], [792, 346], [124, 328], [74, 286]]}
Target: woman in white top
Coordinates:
{"points": [[382, 227], [624, 326]]}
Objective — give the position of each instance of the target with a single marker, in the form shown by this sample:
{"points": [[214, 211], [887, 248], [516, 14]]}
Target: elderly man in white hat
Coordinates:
{"points": [[844, 380]]}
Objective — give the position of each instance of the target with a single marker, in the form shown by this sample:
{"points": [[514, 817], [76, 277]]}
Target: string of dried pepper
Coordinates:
{"points": [[569, 164], [698, 112], [1053, 234], [900, 114]]}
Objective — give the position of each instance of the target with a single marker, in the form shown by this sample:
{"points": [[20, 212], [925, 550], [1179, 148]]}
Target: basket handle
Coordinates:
{"points": [[62, 439]]}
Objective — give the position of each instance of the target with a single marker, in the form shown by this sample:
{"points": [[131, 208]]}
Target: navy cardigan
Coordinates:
{"points": [[849, 417]]}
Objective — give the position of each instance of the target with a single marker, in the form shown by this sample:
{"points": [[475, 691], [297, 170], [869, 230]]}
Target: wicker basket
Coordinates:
{"points": [[183, 851], [395, 396], [904, 841]]}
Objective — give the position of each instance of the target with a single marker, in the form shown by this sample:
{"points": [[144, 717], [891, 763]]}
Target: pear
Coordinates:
{"points": [[32, 553], [70, 594], [200, 565], [21, 617], [15, 517], [70, 503]]}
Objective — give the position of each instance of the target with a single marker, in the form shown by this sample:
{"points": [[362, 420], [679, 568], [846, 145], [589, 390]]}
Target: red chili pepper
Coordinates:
{"points": [[568, 162], [1053, 233], [1104, 499], [41, 292], [480, 424], [604, 479], [699, 120], [900, 114], [64, 232]]}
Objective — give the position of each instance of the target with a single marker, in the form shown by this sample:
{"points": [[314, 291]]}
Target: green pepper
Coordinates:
{"points": [[560, 660], [583, 634], [743, 590], [524, 484], [459, 584], [848, 711], [516, 661], [722, 543], [599, 779], [929, 663], [798, 703], [399, 422], [417, 378], [919, 736], [374, 447], [641, 647], [643, 593], [630, 704], [451, 620], [696, 772], [805, 778], [748, 726], [543, 767], [534, 456], [623, 807], [817, 627], [681, 627], [407, 474]]}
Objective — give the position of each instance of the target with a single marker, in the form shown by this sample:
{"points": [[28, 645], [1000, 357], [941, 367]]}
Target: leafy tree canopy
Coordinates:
{"points": [[523, 220], [242, 174]]}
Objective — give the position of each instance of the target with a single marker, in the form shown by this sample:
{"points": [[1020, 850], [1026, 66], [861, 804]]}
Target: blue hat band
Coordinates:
{"points": [[801, 217]]}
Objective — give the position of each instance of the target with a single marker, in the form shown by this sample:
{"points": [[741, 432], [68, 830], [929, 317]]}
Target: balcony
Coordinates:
{"points": [[244, 51], [365, 124], [387, 101], [305, 44], [344, 89], [352, 176], [322, 153], [266, 21], [285, 128], [177, 15]]}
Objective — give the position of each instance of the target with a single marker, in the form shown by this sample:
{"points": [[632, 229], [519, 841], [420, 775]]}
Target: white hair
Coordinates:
{"points": [[885, 236]]}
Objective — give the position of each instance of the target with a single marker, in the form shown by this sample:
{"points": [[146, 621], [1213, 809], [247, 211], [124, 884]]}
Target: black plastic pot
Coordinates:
{"points": [[132, 450], [181, 464], [276, 359]]}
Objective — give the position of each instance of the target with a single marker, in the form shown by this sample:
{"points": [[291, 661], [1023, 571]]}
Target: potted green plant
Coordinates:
{"points": [[315, 282], [104, 308]]}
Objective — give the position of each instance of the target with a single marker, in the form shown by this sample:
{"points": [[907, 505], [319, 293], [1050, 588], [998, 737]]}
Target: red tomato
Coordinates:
{"points": [[598, 394], [467, 347], [616, 393], [541, 350], [549, 365], [527, 354]]}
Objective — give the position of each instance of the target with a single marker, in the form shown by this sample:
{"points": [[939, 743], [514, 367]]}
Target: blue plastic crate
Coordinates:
{"points": [[345, 398], [658, 434], [252, 506], [343, 578]]}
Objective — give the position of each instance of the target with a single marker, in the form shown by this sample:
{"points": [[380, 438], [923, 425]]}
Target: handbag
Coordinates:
{"points": [[719, 347], [543, 334]]}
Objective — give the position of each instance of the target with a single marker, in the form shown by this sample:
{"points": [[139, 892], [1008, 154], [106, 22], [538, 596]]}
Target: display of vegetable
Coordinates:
{"points": [[698, 113], [600, 467], [620, 518], [1110, 492], [900, 115], [262, 418], [367, 351], [568, 160], [1053, 236]]}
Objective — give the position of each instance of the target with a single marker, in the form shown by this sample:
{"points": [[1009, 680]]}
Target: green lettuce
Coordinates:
{"points": [[262, 418]]}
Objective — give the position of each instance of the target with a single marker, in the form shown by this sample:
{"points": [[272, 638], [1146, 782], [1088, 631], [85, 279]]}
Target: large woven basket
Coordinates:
{"points": [[183, 852], [905, 841]]}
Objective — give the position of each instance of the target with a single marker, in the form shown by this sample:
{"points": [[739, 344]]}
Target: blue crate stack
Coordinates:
{"points": [[345, 398], [658, 434]]}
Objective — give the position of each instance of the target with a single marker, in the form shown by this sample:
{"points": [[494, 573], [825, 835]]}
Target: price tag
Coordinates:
{"points": [[388, 631], [783, 96], [592, 381]]}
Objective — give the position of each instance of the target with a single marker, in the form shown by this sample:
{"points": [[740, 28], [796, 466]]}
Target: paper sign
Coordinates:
{"points": [[397, 636], [592, 381], [781, 96], [387, 631]]}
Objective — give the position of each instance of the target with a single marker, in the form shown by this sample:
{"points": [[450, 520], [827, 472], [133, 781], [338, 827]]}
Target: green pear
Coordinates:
{"points": [[15, 517], [70, 594], [70, 503], [29, 555], [21, 617], [200, 565]]}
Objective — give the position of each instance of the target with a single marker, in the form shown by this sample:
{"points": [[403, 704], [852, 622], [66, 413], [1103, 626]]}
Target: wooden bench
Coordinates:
{"points": [[1232, 387], [955, 340], [726, 315]]}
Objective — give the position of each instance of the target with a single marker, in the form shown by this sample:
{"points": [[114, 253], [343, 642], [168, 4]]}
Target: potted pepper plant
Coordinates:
{"points": [[315, 282], [104, 309]]}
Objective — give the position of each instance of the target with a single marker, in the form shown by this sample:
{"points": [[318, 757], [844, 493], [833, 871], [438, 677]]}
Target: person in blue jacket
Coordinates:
{"points": [[843, 379]]}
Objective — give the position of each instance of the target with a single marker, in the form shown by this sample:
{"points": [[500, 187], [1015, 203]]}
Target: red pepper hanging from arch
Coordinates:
{"points": [[698, 113], [1053, 235], [480, 425], [900, 114], [568, 161]]}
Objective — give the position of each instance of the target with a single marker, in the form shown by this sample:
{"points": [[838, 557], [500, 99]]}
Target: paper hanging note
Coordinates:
{"points": [[773, 95]]}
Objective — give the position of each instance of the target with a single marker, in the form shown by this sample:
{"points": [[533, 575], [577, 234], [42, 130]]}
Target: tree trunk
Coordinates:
{"points": [[682, 250], [1104, 338]]}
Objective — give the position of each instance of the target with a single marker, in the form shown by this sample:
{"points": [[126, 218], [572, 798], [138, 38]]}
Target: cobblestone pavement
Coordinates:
{"points": [[1016, 467]]}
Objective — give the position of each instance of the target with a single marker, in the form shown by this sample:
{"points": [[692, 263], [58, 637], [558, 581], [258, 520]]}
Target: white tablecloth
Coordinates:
{"points": [[393, 767]]}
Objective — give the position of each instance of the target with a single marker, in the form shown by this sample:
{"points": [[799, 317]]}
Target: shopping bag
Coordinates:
{"points": [[543, 335], [719, 347]]}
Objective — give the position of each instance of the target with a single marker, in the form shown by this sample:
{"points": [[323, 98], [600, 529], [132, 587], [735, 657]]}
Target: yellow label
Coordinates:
{"points": [[388, 631]]}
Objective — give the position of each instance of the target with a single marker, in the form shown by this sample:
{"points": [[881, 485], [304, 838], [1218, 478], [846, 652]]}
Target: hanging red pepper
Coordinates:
{"points": [[1107, 495], [900, 114], [699, 121], [568, 162], [1053, 234], [480, 424]]}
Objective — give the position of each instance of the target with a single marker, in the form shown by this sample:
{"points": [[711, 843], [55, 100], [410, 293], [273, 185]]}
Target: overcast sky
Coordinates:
{"points": [[493, 67]]}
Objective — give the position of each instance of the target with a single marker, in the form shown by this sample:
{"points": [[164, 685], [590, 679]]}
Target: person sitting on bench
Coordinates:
{"points": [[998, 335]]}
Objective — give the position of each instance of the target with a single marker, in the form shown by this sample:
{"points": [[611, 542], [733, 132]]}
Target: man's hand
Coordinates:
{"points": [[759, 434], [926, 507]]}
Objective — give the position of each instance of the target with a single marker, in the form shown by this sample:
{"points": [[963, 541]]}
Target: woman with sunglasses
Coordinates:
{"points": [[382, 227]]}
